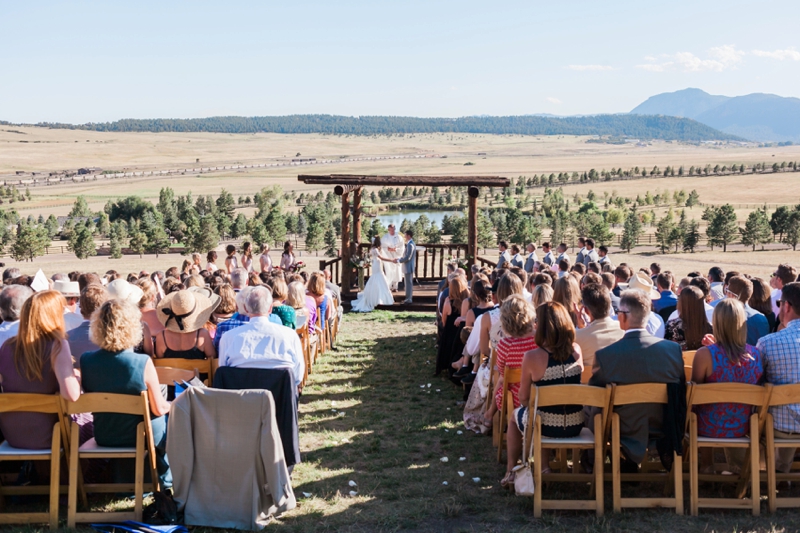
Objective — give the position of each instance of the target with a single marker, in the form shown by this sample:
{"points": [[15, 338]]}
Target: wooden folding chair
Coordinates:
{"points": [[214, 367], [493, 377], [641, 393], [510, 377], [568, 395], [322, 345], [709, 393], [688, 362], [168, 375], [305, 342], [34, 403], [586, 374], [202, 366], [780, 395], [110, 403]]}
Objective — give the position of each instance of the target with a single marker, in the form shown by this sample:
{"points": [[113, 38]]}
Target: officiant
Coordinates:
{"points": [[393, 247]]}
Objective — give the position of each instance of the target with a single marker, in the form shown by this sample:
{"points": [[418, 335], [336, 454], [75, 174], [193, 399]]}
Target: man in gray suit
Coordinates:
{"points": [[637, 358], [408, 261], [531, 259]]}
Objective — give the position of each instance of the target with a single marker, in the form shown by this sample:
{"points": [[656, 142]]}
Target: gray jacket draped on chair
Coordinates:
{"points": [[227, 460]]}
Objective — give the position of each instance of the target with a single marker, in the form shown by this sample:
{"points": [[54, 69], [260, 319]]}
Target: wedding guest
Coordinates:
{"points": [[183, 315], [37, 360], [92, 297], [12, 298], [567, 292], [285, 312], [601, 330], [741, 288], [691, 325], [227, 304], [541, 294], [761, 302]]}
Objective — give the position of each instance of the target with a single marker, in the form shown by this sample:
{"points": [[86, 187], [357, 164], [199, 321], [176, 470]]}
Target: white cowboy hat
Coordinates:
{"points": [[187, 310], [119, 289], [641, 282], [70, 289]]}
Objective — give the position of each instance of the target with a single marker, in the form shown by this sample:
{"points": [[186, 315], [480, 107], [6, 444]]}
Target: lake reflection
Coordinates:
{"points": [[397, 217]]}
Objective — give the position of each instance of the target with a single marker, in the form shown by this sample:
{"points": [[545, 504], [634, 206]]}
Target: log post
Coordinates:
{"points": [[346, 270], [472, 233], [357, 216]]}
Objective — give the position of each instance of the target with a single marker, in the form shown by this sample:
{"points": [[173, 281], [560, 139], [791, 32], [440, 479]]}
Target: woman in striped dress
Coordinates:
{"points": [[556, 361], [516, 318]]}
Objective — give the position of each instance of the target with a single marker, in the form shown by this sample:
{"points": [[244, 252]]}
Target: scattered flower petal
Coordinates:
{"points": [[353, 483], [459, 432], [461, 474], [444, 482], [462, 458], [476, 479], [306, 494], [447, 431], [444, 459], [438, 390], [429, 385], [353, 493], [422, 386]]}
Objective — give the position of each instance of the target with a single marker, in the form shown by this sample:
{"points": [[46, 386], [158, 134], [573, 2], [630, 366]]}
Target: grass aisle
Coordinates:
{"points": [[366, 417]]}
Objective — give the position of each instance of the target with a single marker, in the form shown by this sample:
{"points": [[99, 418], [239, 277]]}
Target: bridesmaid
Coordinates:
{"points": [[247, 256], [287, 258], [264, 259]]}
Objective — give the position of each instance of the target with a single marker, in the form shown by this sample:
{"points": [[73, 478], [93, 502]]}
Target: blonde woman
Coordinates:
{"points": [[302, 304], [541, 295], [567, 292], [116, 368], [264, 259], [516, 317], [37, 360], [197, 261]]}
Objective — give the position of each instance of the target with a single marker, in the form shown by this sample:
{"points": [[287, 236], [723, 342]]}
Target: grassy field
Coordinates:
{"points": [[369, 416]]}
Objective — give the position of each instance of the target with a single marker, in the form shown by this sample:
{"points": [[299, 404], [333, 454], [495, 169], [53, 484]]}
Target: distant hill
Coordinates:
{"points": [[758, 116], [623, 125]]}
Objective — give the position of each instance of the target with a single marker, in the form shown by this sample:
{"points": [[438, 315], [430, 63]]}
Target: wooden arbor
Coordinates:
{"points": [[345, 184]]}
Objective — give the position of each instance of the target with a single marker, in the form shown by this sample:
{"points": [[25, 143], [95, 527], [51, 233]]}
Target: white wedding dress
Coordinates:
{"points": [[377, 291]]}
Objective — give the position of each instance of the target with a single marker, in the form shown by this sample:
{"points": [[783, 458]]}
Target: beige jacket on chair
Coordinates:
{"points": [[227, 460], [596, 336]]}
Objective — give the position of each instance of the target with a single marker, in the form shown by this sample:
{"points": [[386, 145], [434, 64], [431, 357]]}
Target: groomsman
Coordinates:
{"points": [[549, 258], [516, 257], [590, 254], [602, 253], [505, 257], [531, 259], [562, 253], [581, 255]]}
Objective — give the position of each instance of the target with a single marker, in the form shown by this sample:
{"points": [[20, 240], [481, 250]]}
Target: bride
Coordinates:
{"points": [[377, 291]]}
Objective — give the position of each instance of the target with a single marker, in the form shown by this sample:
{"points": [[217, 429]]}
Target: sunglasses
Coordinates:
{"points": [[622, 312]]}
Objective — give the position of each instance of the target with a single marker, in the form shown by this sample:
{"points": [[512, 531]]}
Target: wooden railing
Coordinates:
{"points": [[432, 259], [335, 266], [486, 262]]}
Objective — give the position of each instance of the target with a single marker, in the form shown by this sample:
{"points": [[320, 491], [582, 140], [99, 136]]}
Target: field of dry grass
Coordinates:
{"points": [[507, 155]]}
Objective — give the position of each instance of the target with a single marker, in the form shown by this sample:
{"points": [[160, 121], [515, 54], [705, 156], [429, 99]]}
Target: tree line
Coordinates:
{"points": [[633, 126]]}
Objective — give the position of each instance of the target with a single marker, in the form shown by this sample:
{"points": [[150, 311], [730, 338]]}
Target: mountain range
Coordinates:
{"points": [[757, 117]]}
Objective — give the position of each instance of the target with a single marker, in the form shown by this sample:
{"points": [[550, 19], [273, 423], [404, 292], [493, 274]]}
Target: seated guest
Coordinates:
{"points": [[563, 268], [716, 277], [691, 324], [92, 297], [621, 276], [602, 330], [621, 363], [761, 302], [780, 353], [541, 295], [117, 369], [12, 298], [316, 289], [147, 305], [729, 360], [705, 287], [741, 288], [227, 303], [297, 299], [480, 302], [641, 283], [489, 324], [783, 275], [38, 361], [261, 343], [516, 318], [238, 278], [183, 314], [556, 361], [284, 312], [237, 319], [120, 289], [71, 292], [567, 292], [609, 281], [667, 298]]}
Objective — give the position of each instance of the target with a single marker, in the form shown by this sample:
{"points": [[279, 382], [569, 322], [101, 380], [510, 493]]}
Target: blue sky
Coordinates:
{"points": [[99, 61]]}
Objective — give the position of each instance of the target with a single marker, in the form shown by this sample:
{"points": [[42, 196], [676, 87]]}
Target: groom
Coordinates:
{"points": [[408, 261]]}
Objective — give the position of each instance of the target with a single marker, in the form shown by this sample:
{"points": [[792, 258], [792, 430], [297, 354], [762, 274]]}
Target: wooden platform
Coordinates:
{"points": [[424, 299]]}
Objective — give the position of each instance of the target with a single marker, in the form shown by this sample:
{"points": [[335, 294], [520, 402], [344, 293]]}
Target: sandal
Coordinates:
{"points": [[508, 481]]}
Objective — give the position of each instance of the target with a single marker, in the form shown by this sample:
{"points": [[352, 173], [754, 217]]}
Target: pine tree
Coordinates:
{"points": [[138, 239], [115, 243], [756, 229], [239, 227], [691, 236], [723, 228], [80, 208], [207, 238], [792, 233], [631, 230], [31, 241], [81, 243], [780, 221], [664, 232], [168, 208], [51, 224], [693, 199], [330, 241]]}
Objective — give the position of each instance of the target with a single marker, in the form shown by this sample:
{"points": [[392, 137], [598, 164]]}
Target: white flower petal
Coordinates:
{"points": [[353, 483], [447, 431], [353, 493], [462, 458], [476, 479], [444, 482], [444, 459], [429, 385], [306, 494], [461, 474], [459, 432]]}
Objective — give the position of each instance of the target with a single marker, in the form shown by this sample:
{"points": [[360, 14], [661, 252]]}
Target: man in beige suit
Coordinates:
{"points": [[602, 329]]}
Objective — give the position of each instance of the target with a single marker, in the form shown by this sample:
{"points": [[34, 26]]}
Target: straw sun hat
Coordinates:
{"points": [[188, 310], [641, 282]]}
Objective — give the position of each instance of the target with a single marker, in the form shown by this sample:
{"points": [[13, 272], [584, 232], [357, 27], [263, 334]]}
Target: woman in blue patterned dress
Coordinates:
{"points": [[728, 360]]}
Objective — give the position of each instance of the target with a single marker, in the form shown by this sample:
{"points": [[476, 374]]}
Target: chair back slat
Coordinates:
{"points": [[168, 375], [203, 366], [512, 375], [706, 393], [784, 394], [104, 402], [688, 357], [571, 394], [639, 393], [30, 403]]}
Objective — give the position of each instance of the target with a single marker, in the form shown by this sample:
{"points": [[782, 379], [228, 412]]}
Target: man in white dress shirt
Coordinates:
{"points": [[11, 300], [392, 247], [261, 343]]}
